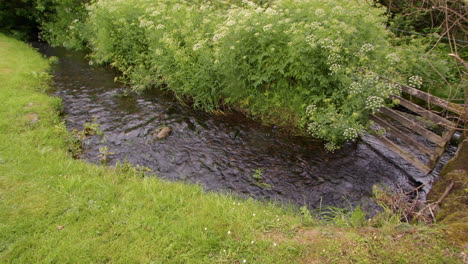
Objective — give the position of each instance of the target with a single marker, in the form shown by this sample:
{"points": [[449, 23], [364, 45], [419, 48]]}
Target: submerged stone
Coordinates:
{"points": [[164, 133]]}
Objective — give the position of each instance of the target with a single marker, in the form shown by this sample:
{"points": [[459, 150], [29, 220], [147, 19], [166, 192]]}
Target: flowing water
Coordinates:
{"points": [[222, 153]]}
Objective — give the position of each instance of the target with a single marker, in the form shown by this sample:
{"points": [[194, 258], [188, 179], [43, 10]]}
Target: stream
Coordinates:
{"points": [[226, 153]]}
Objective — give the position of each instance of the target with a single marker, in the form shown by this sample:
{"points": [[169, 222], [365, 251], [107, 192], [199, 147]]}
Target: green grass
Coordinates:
{"points": [[54, 209]]}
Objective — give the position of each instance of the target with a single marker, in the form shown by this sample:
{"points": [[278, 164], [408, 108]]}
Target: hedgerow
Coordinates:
{"points": [[311, 65]]}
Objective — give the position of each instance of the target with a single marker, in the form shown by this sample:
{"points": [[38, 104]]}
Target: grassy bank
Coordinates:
{"points": [[54, 209]]}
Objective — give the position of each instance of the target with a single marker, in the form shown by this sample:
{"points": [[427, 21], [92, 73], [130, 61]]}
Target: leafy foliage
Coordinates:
{"points": [[311, 65]]}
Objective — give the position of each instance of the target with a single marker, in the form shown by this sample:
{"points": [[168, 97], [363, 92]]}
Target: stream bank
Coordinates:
{"points": [[227, 153]]}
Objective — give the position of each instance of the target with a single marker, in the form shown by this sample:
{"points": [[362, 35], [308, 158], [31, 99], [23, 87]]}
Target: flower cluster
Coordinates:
{"points": [[311, 109], [365, 49], [393, 58], [374, 103], [350, 133], [355, 88], [314, 129], [415, 81], [334, 68]]}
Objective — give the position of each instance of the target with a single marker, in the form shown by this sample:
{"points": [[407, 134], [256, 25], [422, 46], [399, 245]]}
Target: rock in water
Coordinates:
{"points": [[164, 133]]}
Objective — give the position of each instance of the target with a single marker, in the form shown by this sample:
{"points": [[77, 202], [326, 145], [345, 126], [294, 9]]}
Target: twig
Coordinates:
{"points": [[433, 206]]}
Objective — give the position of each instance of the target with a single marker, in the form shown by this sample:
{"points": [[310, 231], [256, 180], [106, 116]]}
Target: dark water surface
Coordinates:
{"points": [[221, 153]]}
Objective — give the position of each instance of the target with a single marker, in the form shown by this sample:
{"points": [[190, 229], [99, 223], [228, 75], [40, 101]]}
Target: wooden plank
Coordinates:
{"points": [[409, 158], [406, 139], [455, 108], [424, 112], [414, 126], [440, 150]]}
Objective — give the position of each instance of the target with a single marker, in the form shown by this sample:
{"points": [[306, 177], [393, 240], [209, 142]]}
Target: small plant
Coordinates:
{"points": [[343, 217], [92, 128], [104, 154], [258, 174], [306, 215]]}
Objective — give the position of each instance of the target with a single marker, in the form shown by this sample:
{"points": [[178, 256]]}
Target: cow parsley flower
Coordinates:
{"points": [[271, 12], [334, 68], [230, 23], [415, 81], [267, 27], [319, 12], [355, 88], [366, 48], [373, 103], [217, 37], [350, 133]]}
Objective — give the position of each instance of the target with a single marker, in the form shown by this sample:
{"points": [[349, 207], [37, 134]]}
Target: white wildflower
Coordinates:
{"points": [[217, 37], [271, 12], [331, 147], [355, 88], [393, 88], [311, 109], [311, 39], [267, 27], [333, 58], [327, 43], [230, 23], [366, 48], [350, 133], [319, 12], [314, 25], [334, 68], [374, 103], [249, 3], [160, 26], [337, 10], [393, 58], [145, 23], [415, 81]]}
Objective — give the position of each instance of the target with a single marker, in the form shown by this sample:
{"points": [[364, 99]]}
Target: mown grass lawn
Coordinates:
{"points": [[54, 209]]}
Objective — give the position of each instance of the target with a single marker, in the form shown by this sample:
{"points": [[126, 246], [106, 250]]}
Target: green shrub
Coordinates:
{"points": [[311, 65]]}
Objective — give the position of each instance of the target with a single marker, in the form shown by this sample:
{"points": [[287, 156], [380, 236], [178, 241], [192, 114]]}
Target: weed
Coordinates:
{"points": [[104, 154], [258, 174], [92, 128]]}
